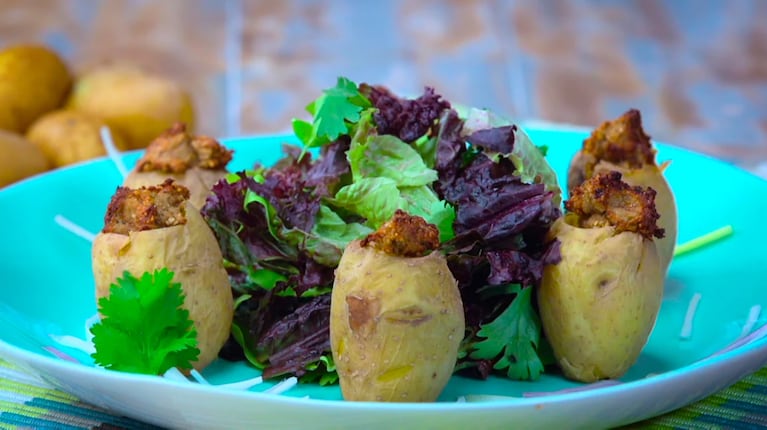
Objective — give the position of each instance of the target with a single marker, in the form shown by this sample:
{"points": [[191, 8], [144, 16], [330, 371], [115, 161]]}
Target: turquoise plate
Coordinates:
{"points": [[47, 291]]}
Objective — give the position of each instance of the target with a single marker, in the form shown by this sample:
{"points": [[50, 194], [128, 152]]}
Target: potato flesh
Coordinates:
{"points": [[191, 252], [599, 304], [395, 325]]}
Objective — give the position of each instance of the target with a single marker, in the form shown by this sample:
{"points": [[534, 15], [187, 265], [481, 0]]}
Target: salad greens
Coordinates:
{"points": [[144, 327], [479, 179]]}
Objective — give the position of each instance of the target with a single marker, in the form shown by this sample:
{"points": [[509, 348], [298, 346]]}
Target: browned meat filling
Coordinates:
{"points": [[404, 235], [176, 151], [146, 208], [621, 141], [605, 200]]}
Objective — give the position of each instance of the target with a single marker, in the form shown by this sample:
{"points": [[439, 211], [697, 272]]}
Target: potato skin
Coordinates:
{"points": [[395, 325], [192, 253], [136, 104], [599, 304], [647, 176], [67, 137], [33, 80], [20, 159]]}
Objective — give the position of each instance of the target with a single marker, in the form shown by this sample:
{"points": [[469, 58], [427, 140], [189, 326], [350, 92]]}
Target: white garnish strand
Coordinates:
{"points": [[112, 151], [74, 228], [197, 376], [686, 331], [587, 387], [282, 386], [753, 317], [90, 322], [175, 375], [74, 342], [243, 385]]}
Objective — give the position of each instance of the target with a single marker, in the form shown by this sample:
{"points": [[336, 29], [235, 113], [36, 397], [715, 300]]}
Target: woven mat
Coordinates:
{"points": [[28, 402]]}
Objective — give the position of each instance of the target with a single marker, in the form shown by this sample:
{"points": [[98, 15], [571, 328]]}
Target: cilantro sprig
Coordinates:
{"points": [[333, 114], [144, 327], [512, 338]]}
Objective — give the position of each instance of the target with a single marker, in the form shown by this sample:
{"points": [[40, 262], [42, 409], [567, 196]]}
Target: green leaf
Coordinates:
{"points": [[322, 371], [389, 157], [144, 327], [330, 235], [333, 112], [512, 339], [529, 160], [375, 199]]}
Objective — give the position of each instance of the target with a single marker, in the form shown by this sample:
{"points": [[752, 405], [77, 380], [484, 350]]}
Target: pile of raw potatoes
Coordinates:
{"points": [[51, 118]]}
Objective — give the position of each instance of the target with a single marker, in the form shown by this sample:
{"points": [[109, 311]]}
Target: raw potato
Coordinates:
{"points": [[136, 104], [33, 80], [599, 304], [648, 176], [67, 137], [395, 325], [20, 159], [192, 253]]}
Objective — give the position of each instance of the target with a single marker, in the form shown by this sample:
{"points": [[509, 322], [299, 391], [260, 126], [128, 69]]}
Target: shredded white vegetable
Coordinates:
{"points": [[689, 317], [282, 386], [753, 317], [74, 228], [175, 375], [461, 399], [243, 385], [112, 151], [586, 387], [75, 343], [197, 376]]}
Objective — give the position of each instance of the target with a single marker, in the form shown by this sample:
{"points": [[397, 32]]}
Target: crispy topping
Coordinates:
{"points": [[146, 208], [621, 141], [176, 151], [605, 200], [404, 235]]}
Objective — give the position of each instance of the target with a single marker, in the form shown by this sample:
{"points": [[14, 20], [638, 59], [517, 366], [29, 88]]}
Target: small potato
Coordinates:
{"points": [[136, 104], [67, 137], [33, 80], [396, 321], [599, 304], [20, 159], [190, 251]]}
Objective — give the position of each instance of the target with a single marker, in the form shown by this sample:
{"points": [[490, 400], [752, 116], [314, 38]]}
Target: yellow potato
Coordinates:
{"points": [[67, 137], [395, 325], [33, 80], [19, 158], [192, 253], [136, 104], [599, 304]]}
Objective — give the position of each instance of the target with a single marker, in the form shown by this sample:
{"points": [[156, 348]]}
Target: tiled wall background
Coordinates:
{"points": [[697, 69]]}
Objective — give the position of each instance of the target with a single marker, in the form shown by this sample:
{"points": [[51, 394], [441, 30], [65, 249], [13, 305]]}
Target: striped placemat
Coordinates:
{"points": [[28, 402]]}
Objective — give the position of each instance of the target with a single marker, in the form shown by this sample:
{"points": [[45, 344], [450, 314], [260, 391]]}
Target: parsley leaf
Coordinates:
{"points": [[144, 328], [514, 335], [334, 111]]}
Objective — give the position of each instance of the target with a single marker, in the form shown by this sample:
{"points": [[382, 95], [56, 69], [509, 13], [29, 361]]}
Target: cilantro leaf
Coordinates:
{"points": [[144, 327], [513, 338], [333, 112]]}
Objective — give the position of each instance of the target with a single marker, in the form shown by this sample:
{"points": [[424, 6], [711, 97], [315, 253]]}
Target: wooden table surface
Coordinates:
{"points": [[696, 69]]}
